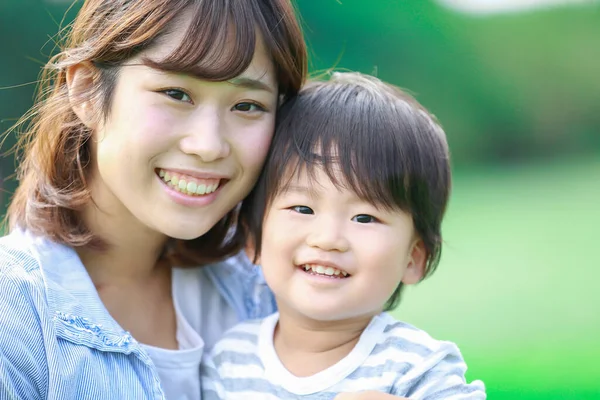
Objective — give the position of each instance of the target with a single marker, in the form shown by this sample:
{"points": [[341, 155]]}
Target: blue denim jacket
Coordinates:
{"points": [[57, 340]]}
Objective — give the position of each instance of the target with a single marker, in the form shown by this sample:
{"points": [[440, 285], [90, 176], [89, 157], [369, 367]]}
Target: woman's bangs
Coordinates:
{"points": [[219, 43]]}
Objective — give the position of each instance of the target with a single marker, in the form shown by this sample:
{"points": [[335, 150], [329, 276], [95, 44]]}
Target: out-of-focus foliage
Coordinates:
{"points": [[506, 87], [516, 284]]}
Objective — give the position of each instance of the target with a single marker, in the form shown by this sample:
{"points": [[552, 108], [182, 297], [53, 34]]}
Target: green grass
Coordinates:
{"points": [[517, 285]]}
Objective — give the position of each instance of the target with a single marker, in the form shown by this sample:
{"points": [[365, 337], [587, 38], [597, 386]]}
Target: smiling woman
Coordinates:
{"points": [[158, 39], [151, 125], [198, 131]]}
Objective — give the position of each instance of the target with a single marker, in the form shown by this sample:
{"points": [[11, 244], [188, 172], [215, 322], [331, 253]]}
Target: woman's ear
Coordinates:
{"points": [[81, 84], [417, 262]]}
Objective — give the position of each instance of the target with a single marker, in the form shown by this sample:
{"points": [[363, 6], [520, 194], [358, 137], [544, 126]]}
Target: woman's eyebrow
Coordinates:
{"points": [[250, 83], [243, 82]]}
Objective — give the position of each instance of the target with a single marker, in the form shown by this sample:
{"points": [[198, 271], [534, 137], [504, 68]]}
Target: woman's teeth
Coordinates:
{"points": [[322, 270], [187, 184]]}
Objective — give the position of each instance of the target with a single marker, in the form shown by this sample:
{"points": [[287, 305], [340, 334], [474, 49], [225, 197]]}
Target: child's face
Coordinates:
{"points": [[328, 255], [208, 138]]}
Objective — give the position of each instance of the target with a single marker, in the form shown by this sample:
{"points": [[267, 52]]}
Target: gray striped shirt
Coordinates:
{"points": [[390, 357]]}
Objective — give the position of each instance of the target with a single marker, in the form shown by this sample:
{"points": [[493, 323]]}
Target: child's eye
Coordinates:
{"points": [[364, 218], [249, 107], [302, 209], [177, 94]]}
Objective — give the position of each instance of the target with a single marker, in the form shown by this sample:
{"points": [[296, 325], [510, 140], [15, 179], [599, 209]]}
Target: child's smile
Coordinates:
{"points": [[325, 270], [344, 256]]}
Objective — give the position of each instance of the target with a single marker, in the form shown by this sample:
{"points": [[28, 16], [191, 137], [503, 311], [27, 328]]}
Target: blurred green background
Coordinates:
{"points": [[518, 92]]}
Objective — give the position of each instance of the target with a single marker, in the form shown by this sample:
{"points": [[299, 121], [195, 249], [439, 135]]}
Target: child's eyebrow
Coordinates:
{"points": [[301, 189]]}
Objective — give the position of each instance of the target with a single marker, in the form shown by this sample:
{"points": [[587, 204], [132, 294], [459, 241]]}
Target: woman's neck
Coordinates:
{"points": [[131, 280], [131, 251], [306, 347]]}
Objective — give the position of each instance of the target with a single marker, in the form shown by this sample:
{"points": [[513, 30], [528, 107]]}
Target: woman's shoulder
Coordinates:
{"points": [[39, 272], [28, 254], [19, 263], [49, 313]]}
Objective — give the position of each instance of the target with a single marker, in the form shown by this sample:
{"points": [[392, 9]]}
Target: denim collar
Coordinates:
{"points": [[79, 314]]}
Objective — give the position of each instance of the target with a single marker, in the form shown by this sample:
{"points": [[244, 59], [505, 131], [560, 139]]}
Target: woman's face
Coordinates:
{"points": [[177, 153]]}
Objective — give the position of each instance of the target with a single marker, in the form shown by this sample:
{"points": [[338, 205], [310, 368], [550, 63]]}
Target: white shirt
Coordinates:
{"points": [[202, 316]]}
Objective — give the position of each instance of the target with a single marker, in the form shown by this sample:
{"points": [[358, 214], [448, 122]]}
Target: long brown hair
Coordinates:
{"points": [[53, 149]]}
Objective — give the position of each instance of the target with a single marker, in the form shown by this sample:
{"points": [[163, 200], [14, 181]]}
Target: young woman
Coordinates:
{"points": [[152, 125]]}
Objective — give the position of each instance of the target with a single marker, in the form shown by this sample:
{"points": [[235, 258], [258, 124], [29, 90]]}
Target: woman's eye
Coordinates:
{"points": [[364, 218], [302, 210], [249, 107], [178, 95]]}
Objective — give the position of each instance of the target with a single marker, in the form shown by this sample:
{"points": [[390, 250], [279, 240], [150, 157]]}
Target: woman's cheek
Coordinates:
{"points": [[253, 146]]}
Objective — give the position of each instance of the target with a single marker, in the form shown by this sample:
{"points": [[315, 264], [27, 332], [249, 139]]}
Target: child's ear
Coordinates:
{"points": [[80, 84], [417, 261]]}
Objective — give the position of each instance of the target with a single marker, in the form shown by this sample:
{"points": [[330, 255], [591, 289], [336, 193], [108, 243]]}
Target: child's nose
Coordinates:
{"points": [[329, 235]]}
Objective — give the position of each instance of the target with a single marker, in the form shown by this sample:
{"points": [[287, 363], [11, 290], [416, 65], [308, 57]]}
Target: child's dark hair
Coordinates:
{"points": [[390, 150]]}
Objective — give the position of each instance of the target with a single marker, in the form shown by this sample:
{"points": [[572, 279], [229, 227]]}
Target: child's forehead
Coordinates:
{"points": [[327, 169], [312, 175], [317, 180]]}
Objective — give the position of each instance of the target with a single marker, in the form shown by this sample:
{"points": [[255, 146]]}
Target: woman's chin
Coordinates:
{"points": [[185, 233]]}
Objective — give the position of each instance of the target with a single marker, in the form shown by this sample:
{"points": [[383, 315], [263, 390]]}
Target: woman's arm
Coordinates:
{"points": [[23, 362]]}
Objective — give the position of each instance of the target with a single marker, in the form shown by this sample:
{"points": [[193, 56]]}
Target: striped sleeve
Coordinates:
{"points": [[23, 361], [212, 387], [444, 378]]}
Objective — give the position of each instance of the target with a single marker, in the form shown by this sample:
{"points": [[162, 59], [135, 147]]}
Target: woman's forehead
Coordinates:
{"points": [[233, 49], [259, 75]]}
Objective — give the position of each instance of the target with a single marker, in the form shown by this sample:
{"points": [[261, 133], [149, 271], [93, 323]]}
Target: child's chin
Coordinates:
{"points": [[325, 314]]}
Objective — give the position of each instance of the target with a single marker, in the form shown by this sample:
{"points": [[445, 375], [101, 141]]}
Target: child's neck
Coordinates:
{"points": [[306, 347]]}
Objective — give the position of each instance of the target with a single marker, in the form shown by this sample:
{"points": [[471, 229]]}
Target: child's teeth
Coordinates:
{"points": [[322, 270], [175, 180], [201, 189], [319, 269], [161, 173], [167, 177], [182, 184]]}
